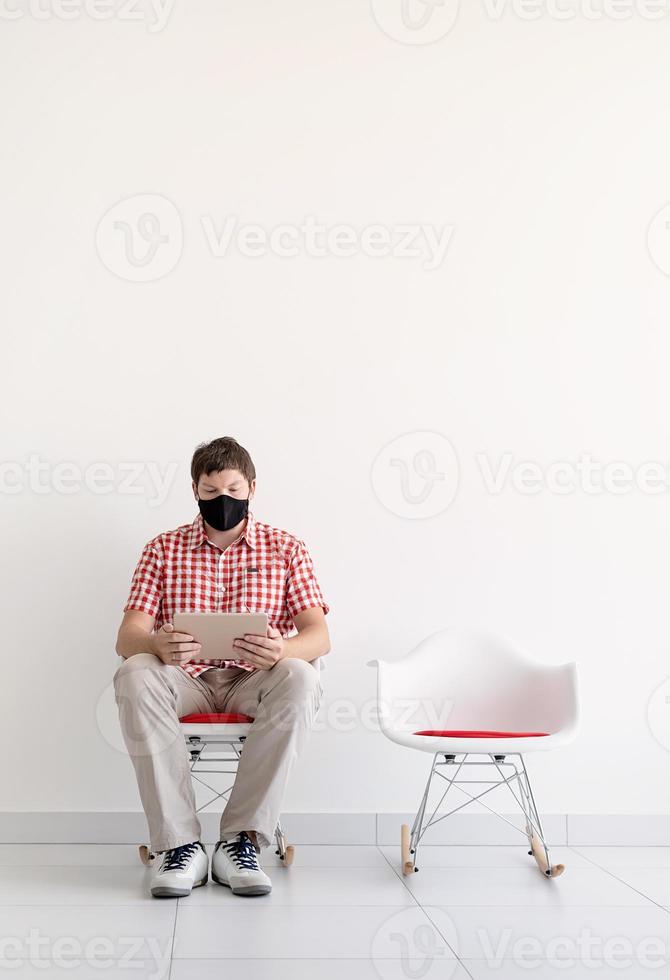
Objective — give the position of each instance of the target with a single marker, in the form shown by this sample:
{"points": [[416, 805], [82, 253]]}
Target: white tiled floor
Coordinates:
{"points": [[341, 912]]}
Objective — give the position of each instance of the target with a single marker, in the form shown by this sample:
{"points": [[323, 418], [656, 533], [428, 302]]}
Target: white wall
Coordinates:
{"points": [[543, 334]]}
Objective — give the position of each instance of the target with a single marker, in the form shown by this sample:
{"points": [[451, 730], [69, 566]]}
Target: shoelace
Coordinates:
{"points": [[178, 857], [242, 852]]}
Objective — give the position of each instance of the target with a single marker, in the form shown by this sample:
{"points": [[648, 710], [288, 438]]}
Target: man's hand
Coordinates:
{"points": [[173, 648], [261, 651]]}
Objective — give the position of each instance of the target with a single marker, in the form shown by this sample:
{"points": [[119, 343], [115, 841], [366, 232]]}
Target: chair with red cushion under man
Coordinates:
{"points": [[500, 705], [214, 743]]}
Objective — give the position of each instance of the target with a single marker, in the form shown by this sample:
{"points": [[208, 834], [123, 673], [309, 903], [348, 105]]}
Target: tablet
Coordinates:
{"points": [[216, 631]]}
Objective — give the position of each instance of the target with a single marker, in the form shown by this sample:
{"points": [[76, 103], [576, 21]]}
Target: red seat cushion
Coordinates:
{"points": [[482, 734], [217, 719]]}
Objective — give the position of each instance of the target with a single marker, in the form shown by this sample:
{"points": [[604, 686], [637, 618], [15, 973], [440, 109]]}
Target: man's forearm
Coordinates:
{"points": [[310, 643], [133, 640]]}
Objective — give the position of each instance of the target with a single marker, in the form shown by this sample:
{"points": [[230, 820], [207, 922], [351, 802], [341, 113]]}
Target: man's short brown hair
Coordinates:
{"points": [[222, 454]]}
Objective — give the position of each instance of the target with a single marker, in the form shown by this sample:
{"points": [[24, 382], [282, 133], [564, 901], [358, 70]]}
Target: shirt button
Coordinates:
{"points": [[221, 589]]}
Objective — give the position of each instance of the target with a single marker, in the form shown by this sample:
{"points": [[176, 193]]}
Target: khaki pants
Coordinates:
{"points": [[152, 696]]}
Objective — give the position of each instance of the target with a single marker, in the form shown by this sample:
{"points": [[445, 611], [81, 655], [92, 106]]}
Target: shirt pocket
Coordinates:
{"points": [[264, 588]]}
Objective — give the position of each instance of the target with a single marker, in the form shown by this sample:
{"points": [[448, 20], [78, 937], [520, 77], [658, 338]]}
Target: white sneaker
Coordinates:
{"points": [[180, 870], [235, 864]]}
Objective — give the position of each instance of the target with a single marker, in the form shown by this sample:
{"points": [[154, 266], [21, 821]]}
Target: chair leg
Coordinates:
{"points": [[285, 852], [409, 839], [146, 857], [536, 838], [405, 852]]}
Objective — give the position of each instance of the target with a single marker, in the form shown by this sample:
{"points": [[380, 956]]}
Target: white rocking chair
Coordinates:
{"points": [[500, 705]]}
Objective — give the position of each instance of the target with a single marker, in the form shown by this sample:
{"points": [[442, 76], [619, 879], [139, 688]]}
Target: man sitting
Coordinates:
{"points": [[224, 562]]}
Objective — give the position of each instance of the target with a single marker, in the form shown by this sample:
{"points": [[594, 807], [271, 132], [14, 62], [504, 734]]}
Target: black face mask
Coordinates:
{"points": [[224, 511]]}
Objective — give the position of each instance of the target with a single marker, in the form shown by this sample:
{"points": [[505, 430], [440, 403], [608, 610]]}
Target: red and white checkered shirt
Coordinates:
{"points": [[265, 570]]}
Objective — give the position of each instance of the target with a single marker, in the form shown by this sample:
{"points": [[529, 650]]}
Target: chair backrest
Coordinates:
{"points": [[472, 679]]}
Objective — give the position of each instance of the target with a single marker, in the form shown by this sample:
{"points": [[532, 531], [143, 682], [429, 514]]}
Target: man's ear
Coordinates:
{"points": [[195, 489], [252, 489]]}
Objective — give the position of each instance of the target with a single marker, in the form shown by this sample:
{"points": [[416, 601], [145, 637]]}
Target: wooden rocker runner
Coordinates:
{"points": [[214, 743], [500, 706]]}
